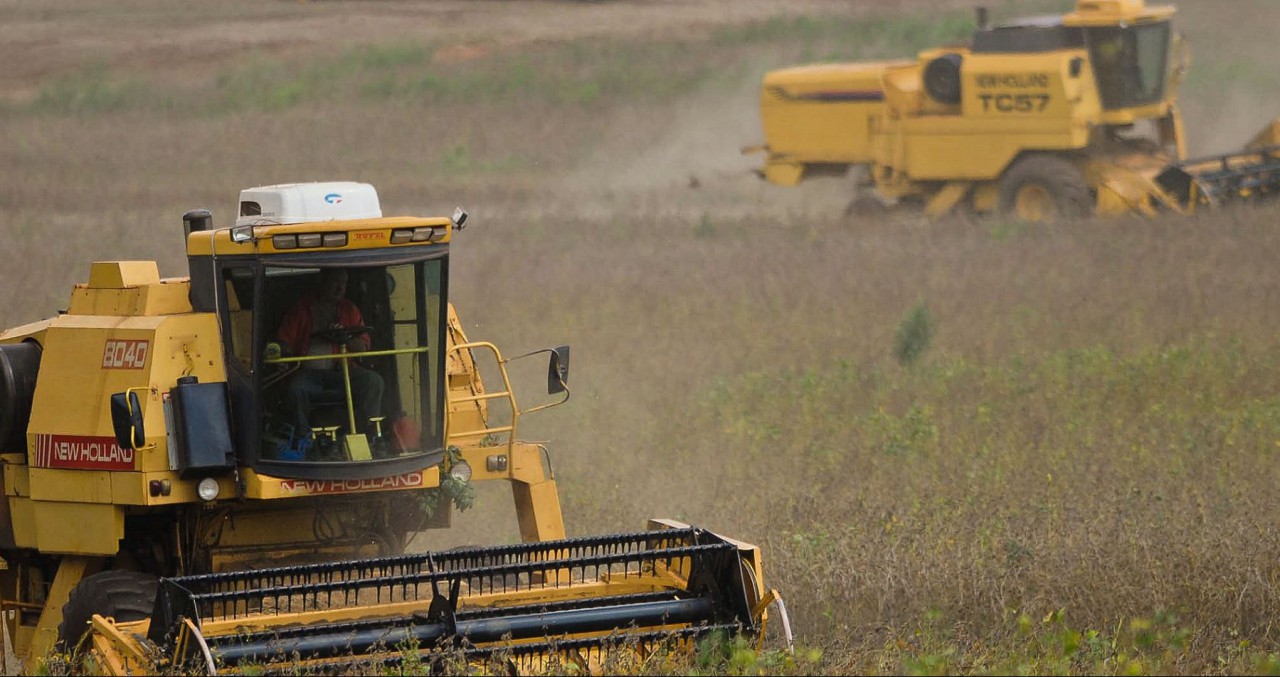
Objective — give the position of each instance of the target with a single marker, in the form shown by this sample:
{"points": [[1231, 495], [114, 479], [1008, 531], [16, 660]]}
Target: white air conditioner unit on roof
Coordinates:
{"points": [[289, 203]]}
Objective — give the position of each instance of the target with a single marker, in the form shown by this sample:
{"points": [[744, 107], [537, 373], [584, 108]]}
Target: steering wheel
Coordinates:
{"points": [[342, 335]]}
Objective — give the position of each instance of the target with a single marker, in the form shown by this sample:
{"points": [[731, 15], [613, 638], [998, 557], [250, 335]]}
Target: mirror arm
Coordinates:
{"points": [[558, 369]]}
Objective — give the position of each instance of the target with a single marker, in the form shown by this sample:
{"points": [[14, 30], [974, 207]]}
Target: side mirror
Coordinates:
{"points": [[459, 218], [558, 370], [126, 420]]}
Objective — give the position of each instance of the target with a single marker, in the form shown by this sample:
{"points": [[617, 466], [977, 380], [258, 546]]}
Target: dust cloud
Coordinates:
{"points": [[691, 164], [1232, 89]]}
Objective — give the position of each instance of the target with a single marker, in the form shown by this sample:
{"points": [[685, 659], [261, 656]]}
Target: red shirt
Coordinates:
{"points": [[295, 329]]}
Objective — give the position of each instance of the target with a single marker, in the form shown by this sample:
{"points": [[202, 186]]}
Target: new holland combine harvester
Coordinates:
{"points": [[164, 511], [1052, 115]]}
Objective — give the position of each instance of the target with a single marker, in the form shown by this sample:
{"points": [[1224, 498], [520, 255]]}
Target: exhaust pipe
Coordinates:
{"points": [[195, 220]]}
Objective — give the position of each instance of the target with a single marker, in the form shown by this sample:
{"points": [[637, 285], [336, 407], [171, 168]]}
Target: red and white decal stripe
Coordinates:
{"points": [[80, 452]]}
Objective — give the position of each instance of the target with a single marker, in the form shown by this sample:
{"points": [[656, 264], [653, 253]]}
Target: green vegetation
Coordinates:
{"points": [[914, 334], [580, 73], [93, 90], [878, 37], [870, 36]]}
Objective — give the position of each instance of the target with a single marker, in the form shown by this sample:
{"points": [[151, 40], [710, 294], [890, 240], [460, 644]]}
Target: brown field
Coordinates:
{"points": [[1089, 444]]}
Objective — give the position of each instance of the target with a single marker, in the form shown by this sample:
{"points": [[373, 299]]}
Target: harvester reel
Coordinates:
{"points": [[1042, 188], [942, 79]]}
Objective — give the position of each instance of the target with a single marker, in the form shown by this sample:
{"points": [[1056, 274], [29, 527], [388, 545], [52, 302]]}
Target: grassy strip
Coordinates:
{"points": [[563, 75], [578, 73]]}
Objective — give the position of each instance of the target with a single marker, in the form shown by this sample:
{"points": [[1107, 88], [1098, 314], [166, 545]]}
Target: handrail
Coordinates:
{"points": [[345, 357], [505, 393]]}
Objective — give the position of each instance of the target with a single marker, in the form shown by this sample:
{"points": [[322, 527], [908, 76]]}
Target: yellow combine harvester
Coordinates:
{"points": [[186, 489], [1068, 115]]}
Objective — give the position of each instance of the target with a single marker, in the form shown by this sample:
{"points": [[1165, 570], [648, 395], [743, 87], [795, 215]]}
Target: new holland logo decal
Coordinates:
{"points": [[81, 452]]}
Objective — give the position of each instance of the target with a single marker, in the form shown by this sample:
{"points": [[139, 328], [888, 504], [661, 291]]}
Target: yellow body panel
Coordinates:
{"points": [[86, 357], [1007, 107], [73, 486], [123, 274], [33, 331], [466, 412], [77, 528], [257, 486], [129, 288], [22, 513], [1267, 136], [125, 329], [1036, 92], [823, 113]]}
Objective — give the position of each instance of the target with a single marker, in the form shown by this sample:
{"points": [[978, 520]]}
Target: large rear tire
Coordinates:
{"points": [[1044, 188], [123, 595], [865, 206]]}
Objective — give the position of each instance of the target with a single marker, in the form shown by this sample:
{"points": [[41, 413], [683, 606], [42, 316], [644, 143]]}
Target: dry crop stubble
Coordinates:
{"points": [[1092, 429]]}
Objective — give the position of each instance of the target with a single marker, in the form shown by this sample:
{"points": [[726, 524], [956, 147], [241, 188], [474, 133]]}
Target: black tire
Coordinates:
{"points": [[865, 206], [123, 595], [19, 364], [1057, 180]]}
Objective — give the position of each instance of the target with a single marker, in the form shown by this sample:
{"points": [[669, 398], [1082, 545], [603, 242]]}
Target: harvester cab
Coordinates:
{"points": [[1046, 116], [194, 468], [337, 354]]}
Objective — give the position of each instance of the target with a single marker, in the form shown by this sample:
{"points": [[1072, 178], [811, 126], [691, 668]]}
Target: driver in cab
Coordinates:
{"points": [[313, 326]]}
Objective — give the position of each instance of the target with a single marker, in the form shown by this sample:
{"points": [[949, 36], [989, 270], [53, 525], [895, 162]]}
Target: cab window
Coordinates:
{"points": [[351, 361]]}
